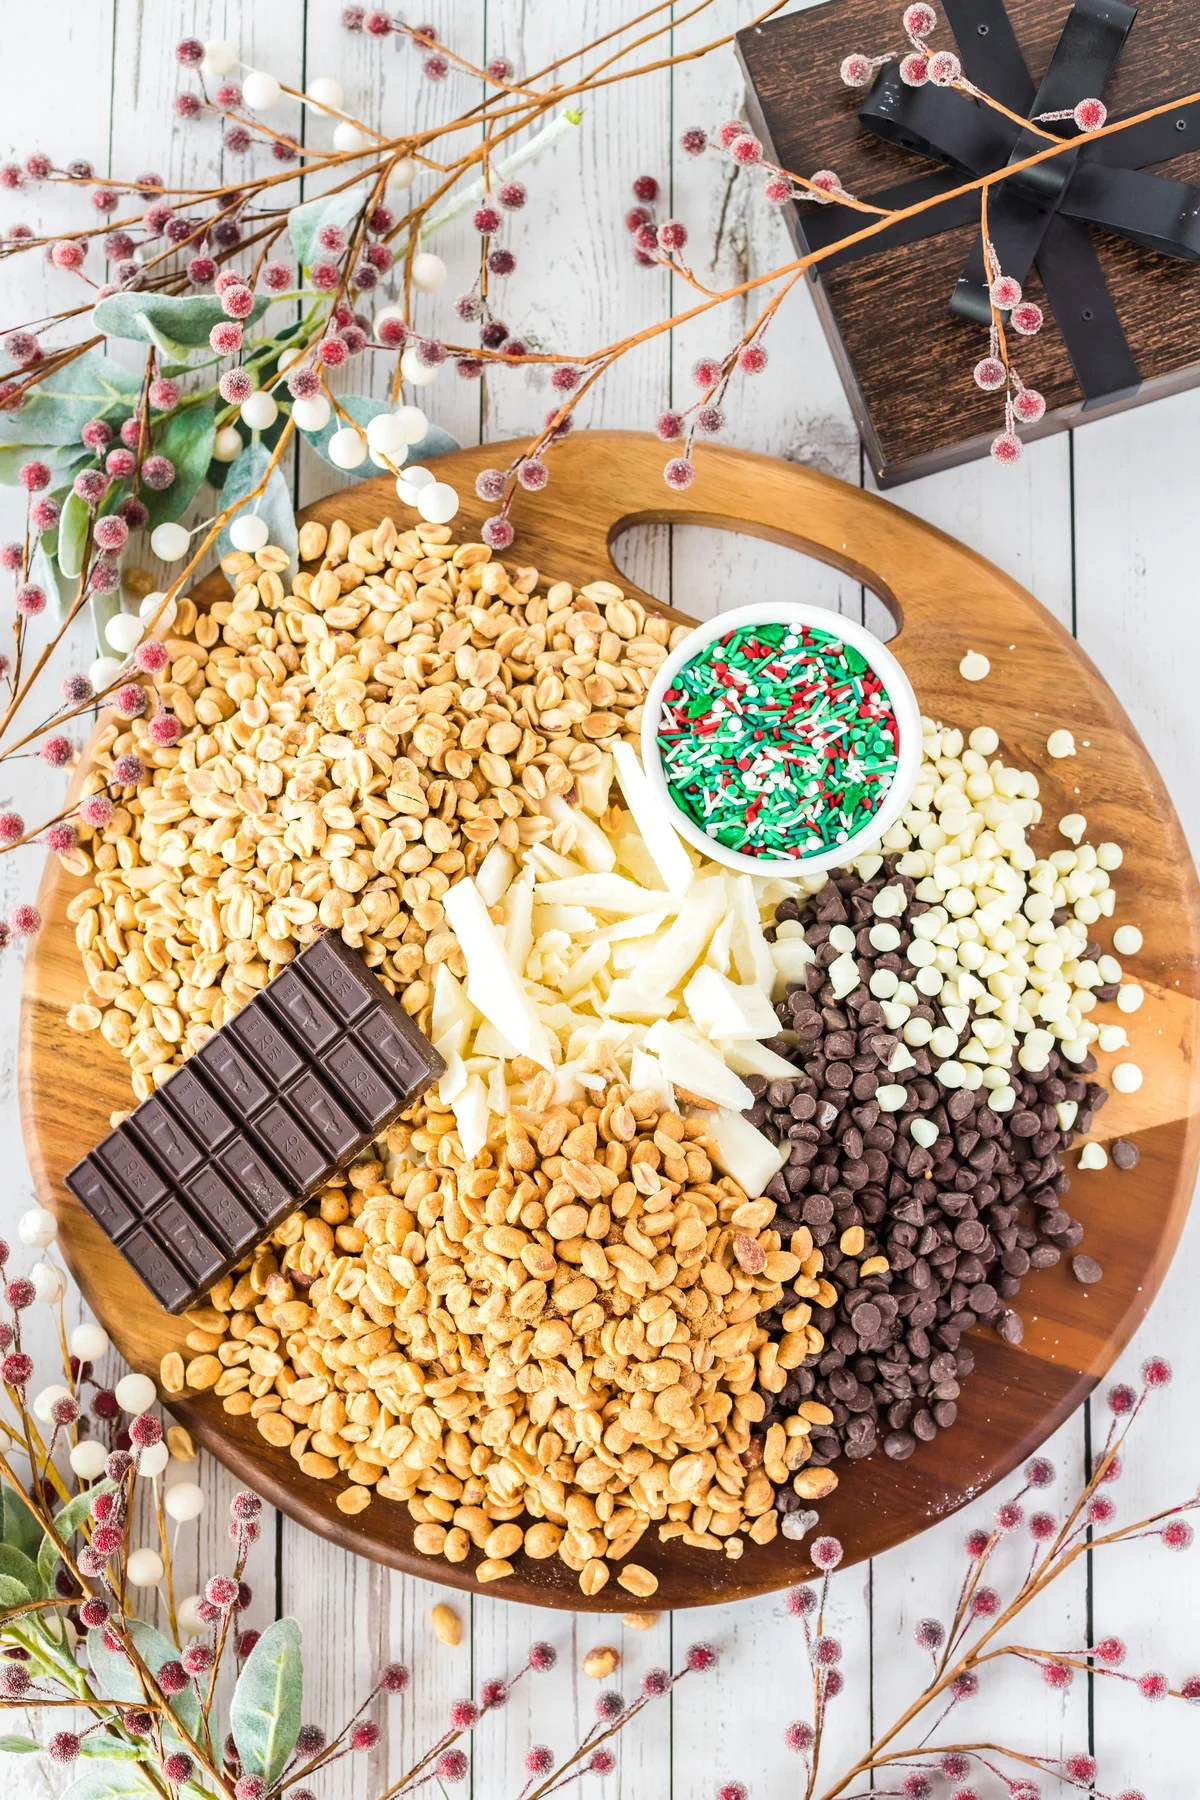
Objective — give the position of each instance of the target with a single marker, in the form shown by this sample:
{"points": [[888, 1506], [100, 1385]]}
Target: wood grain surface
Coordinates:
{"points": [[945, 599], [905, 359]]}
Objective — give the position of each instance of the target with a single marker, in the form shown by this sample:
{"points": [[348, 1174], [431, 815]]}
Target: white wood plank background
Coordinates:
{"points": [[1100, 527]]}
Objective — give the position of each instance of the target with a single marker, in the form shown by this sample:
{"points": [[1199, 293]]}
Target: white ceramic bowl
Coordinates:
{"points": [[884, 664]]}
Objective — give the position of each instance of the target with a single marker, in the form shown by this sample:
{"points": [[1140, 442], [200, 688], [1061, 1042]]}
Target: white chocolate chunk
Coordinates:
{"points": [[739, 1150]]}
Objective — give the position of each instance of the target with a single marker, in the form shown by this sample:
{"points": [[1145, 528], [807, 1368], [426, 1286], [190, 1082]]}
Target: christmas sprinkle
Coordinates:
{"points": [[778, 741]]}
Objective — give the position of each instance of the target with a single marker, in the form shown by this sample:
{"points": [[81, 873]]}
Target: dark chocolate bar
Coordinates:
{"points": [[280, 1099]]}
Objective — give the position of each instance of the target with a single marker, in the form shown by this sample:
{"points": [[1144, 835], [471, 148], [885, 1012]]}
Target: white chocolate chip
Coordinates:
{"points": [[974, 666], [883, 937], [951, 1074], [1067, 1111], [984, 739], [1003, 1099], [1109, 856], [1127, 940], [842, 939], [890, 1097], [1126, 1078], [923, 1132], [883, 983], [843, 976], [1130, 997], [1093, 1156], [1073, 826], [1060, 744], [1113, 1037]]}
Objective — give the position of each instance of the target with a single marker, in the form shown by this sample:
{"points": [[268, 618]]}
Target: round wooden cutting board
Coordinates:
{"points": [[946, 600]]}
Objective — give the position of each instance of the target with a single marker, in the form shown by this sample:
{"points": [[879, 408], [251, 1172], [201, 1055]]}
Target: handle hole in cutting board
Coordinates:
{"points": [[703, 570]]}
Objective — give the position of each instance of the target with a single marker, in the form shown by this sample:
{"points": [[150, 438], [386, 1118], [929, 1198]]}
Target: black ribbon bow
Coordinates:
{"points": [[1042, 216]]}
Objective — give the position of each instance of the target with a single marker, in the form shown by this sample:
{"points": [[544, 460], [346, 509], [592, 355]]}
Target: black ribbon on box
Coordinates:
{"points": [[1041, 217]]}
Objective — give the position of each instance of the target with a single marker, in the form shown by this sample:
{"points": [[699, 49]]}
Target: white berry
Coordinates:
{"points": [[437, 503], [88, 1459], [1126, 1078], [37, 1227], [1127, 940], [409, 485], [326, 92], [49, 1283], [347, 448], [402, 173], [170, 541], [219, 57], [261, 91], [311, 414], [124, 632], [227, 445], [385, 433], [974, 666], [289, 358], [104, 670], [153, 1459], [150, 605], [428, 272], [89, 1342], [248, 532], [413, 423], [419, 373], [188, 1614], [44, 1403], [135, 1393], [259, 411], [144, 1568], [349, 137], [184, 1501], [1060, 744]]}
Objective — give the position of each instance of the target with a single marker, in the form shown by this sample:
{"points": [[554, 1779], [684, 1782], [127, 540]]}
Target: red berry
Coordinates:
{"points": [[1026, 319], [944, 68], [237, 302], [669, 426], [1029, 406], [365, 1735], [499, 70], [1058, 1675], [486, 219], [1007, 449], [1177, 1534], [828, 184], [1156, 1372], [645, 189], [512, 196], [67, 255], [679, 473], [798, 1736], [914, 70], [694, 141], [34, 476], [752, 360], [732, 128], [635, 218], [452, 1765], [919, 20], [1005, 292], [539, 1760], [707, 372], [1121, 1399], [189, 52], [533, 474], [497, 533], [1090, 115], [463, 1714], [856, 70], [746, 149], [1042, 1527], [1153, 1685]]}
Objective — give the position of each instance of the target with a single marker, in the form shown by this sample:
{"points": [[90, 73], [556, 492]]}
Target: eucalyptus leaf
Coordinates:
{"points": [[61, 459], [91, 387], [187, 439], [67, 1522], [20, 1528], [13, 1593], [120, 1784], [118, 1680], [185, 320], [19, 1567], [103, 608], [362, 409], [44, 570], [19, 1746], [305, 220], [107, 1749], [274, 504], [72, 536], [264, 1714]]}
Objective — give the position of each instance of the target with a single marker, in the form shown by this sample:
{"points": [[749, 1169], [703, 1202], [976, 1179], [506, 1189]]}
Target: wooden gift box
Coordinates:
{"points": [[905, 359]]}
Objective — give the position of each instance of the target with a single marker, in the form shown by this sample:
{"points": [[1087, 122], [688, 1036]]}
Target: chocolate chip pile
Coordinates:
{"points": [[927, 1215]]}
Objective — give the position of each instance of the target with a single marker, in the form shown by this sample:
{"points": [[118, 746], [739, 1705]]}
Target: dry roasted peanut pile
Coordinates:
{"points": [[350, 749], [565, 1333]]}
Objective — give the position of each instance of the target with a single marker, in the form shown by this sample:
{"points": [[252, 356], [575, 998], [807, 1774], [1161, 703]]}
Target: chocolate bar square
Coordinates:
{"points": [[261, 1118]]}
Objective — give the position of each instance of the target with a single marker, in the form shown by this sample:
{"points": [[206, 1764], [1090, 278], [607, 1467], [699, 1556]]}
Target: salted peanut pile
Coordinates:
{"points": [[551, 1351], [351, 748]]}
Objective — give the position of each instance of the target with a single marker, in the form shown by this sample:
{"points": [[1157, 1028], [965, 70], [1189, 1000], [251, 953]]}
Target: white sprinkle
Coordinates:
{"points": [[1127, 940], [974, 666], [1126, 1078], [1060, 744]]}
